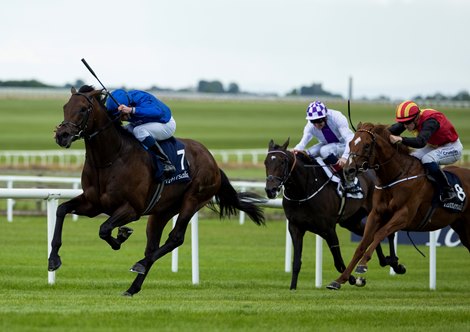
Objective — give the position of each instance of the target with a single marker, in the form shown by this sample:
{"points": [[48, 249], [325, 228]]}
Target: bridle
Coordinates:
{"points": [[82, 126], [287, 172], [367, 164]]}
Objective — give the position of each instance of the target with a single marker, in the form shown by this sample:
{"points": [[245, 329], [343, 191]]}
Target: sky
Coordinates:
{"points": [[396, 48]]}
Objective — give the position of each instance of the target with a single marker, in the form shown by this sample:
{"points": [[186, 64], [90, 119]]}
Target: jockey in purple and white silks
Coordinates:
{"points": [[330, 128]]}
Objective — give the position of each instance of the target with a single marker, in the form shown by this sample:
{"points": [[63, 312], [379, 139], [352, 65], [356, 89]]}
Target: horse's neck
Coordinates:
{"points": [[392, 164], [104, 147], [306, 177]]}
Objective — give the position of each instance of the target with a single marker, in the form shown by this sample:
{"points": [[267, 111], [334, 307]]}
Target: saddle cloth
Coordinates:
{"points": [[174, 149], [457, 204]]}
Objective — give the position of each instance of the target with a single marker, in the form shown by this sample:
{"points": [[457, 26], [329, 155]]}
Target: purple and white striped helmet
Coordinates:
{"points": [[316, 110]]}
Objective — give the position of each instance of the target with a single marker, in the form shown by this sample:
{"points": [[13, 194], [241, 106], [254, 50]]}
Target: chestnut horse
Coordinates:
{"points": [[404, 196], [118, 179], [311, 203]]}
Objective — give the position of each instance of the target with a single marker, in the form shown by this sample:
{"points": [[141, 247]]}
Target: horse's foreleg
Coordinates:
{"points": [[120, 217], [371, 227], [297, 237], [78, 205]]}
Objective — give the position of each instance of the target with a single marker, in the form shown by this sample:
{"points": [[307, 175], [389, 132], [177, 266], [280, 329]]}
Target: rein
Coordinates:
{"points": [[365, 166], [287, 174], [399, 181], [377, 166]]}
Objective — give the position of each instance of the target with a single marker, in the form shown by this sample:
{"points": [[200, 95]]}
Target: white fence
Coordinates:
{"points": [[53, 195], [75, 158]]}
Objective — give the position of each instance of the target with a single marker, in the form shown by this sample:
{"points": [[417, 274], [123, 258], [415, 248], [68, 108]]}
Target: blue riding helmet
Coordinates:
{"points": [[121, 97]]}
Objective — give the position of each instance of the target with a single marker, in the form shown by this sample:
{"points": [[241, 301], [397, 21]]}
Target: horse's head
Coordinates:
{"points": [[77, 119], [361, 151], [277, 163]]}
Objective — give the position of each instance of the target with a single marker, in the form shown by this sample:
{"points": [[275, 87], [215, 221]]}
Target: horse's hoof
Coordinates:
{"points": [[361, 269], [360, 282], [138, 268], [334, 285], [400, 269], [352, 280], [54, 264], [126, 293], [124, 233]]}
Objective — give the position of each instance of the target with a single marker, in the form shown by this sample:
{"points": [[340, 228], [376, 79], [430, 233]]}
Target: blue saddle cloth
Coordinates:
{"points": [[457, 204], [174, 149]]}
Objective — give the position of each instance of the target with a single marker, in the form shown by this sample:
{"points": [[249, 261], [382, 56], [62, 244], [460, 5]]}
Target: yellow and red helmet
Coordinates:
{"points": [[407, 111]]}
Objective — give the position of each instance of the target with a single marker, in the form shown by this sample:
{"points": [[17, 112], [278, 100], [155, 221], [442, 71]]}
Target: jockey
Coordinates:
{"points": [[150, 120], [436, 142], [330, 128]]}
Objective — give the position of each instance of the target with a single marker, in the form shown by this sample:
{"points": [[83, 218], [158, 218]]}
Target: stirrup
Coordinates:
{"points": [[168, 168], [447, 195]]}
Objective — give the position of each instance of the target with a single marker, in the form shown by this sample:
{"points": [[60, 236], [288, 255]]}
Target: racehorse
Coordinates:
{"points": [[311, 203], [118, 180], [404, 198]]}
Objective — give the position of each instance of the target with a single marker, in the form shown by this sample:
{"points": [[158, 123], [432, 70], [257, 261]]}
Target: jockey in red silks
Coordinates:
{"points": [[436, 141]]}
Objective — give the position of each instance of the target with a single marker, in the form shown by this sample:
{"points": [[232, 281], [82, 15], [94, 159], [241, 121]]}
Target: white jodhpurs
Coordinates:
{"points": [[442, 155], [159, 131], [324, 151]]}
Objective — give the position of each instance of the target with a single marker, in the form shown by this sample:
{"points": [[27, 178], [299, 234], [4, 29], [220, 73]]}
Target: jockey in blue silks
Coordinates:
{"points": [[150, 120]]}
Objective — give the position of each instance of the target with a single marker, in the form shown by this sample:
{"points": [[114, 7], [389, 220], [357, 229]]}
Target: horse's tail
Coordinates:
{"points": [[229, 201]]}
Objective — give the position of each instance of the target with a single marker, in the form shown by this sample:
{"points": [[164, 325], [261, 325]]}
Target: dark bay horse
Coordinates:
{"points": [[118, 180], [311, 203], [403, 198]]}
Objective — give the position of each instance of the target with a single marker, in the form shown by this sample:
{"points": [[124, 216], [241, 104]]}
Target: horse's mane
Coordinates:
{"points": [[101, 98], [382, 131], [86, 88]]}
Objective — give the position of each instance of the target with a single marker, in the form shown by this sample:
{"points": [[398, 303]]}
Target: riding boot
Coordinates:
{"points": [[351, 187], [168, 167], [447, 193], [153, 146]]}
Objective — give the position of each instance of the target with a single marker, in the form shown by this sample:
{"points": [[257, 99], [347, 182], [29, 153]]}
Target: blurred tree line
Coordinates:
{"points": [[316, 89]]}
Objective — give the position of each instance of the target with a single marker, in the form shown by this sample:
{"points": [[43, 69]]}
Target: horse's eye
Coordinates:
{"points": [[83, 109]]}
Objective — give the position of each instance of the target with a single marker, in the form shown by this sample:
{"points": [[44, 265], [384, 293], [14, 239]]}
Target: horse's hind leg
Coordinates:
{"points": [[333, 243], [154, 232]]}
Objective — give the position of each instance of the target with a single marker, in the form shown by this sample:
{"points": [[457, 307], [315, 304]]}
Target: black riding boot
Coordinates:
{"points": [[168, 167], [447, 192], [349, 186]]}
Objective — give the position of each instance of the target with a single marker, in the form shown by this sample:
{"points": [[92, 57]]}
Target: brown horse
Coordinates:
{"points": [[118, 180], [404, 197], [311, 203]]}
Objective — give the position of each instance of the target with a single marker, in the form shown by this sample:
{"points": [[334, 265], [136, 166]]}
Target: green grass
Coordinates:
{"points": [[243, 285], [29, 124]]}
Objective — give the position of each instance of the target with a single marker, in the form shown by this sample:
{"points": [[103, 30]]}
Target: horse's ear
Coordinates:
{"points": [[286, 144], [359, 125], [271, 144], [73, 90]]}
